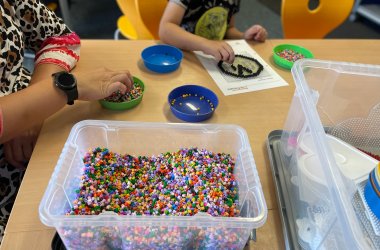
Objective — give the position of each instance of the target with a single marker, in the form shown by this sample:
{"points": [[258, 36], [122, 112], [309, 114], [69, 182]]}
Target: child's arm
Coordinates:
{"points": [[172, 33], [232, 32], [256, 32]]}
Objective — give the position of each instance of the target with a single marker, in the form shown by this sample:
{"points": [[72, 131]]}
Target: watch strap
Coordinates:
{"points": [[72, 95]]}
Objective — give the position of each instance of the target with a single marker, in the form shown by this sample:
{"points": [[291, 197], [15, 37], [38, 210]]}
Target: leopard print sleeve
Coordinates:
{"points": [[29, 24], [47, 35], [13, 75]]}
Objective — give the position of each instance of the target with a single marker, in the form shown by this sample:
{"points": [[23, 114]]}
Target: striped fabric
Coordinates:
{"points": [[62, 50]]}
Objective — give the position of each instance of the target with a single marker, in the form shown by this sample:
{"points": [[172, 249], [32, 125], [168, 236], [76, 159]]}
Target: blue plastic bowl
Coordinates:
{"points": [[370, 194], [162, 58], [192, 103]]}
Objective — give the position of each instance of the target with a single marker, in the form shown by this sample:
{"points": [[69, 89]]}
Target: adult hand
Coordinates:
{"points": [[101, 83], [257, 33], [221, 50], [18, 151]]}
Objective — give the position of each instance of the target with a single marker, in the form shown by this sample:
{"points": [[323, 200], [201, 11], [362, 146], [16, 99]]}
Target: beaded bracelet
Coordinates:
{"points": [[242, 67]]}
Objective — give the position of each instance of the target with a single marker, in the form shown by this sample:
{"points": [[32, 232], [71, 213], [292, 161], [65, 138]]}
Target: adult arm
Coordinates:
{"points": [[56, 48], [41, 100], [19, 149]]}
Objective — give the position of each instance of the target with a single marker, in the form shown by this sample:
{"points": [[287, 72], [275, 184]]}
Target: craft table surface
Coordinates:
{"points": [[257, 112]]}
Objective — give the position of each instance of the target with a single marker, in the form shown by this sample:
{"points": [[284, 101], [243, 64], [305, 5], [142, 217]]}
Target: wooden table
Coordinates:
{"points": [[257, 112]]}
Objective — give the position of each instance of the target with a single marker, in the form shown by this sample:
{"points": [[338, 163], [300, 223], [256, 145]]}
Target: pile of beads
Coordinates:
{"points": [[181, 183], [156, 237], [197, 104], [152, 237], [134, 93], [290, 55]]}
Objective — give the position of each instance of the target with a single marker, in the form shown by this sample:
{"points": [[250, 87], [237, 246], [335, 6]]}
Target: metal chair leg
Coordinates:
{"points": [[116, 34]]}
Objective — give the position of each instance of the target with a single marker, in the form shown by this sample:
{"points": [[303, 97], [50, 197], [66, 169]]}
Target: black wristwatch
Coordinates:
{"points": [[68, 84]]}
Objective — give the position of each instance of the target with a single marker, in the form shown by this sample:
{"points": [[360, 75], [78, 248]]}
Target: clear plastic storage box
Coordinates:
{"points": [[325, 149], [111, 231]]}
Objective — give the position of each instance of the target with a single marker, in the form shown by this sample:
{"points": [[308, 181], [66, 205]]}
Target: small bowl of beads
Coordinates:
{"points": [[119, 101], [192, 103], [162, 58], [284, 55]]}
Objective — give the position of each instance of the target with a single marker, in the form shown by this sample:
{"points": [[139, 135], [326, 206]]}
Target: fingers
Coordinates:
{"points": [[224, 56], [257, 33], [124, 77], [120, 81], [218, 56], [114, 87], [261, 35], [231, 53], [225, 53], [102, 82], [251, 32]]}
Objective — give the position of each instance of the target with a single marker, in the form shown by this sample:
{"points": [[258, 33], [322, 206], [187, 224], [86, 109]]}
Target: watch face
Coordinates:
{"points": [[66, 80]]}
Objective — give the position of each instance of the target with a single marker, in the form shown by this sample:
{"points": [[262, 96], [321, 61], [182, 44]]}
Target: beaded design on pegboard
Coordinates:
{"points": [[242, 67]]}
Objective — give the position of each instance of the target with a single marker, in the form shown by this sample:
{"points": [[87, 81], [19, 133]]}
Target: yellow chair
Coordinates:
{"points": [[125, 27], [130, 24], [298, 21], [150, 13]]}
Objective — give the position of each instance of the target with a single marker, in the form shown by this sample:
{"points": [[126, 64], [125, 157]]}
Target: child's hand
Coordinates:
{"points": [[221, 50], [256, 32]]}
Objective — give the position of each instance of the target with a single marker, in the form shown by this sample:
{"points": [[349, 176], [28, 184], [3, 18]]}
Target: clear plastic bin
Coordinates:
{"points": [[334, 116], [111, 231]]}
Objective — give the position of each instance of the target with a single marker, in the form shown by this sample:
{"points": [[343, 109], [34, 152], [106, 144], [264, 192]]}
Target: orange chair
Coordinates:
{"points": [[130, 24], [299, 21], [150, 13]]}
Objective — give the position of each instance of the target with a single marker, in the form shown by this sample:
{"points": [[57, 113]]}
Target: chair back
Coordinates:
{"points": [[150, 12], [299, 21], [129, 10]]}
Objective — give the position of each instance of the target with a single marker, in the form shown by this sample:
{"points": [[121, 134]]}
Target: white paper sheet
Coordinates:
{"points": [[229, 85]]}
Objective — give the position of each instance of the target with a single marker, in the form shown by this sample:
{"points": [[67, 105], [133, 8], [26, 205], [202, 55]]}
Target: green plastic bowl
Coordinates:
{"points": [[125, 105], [285, 63]]}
